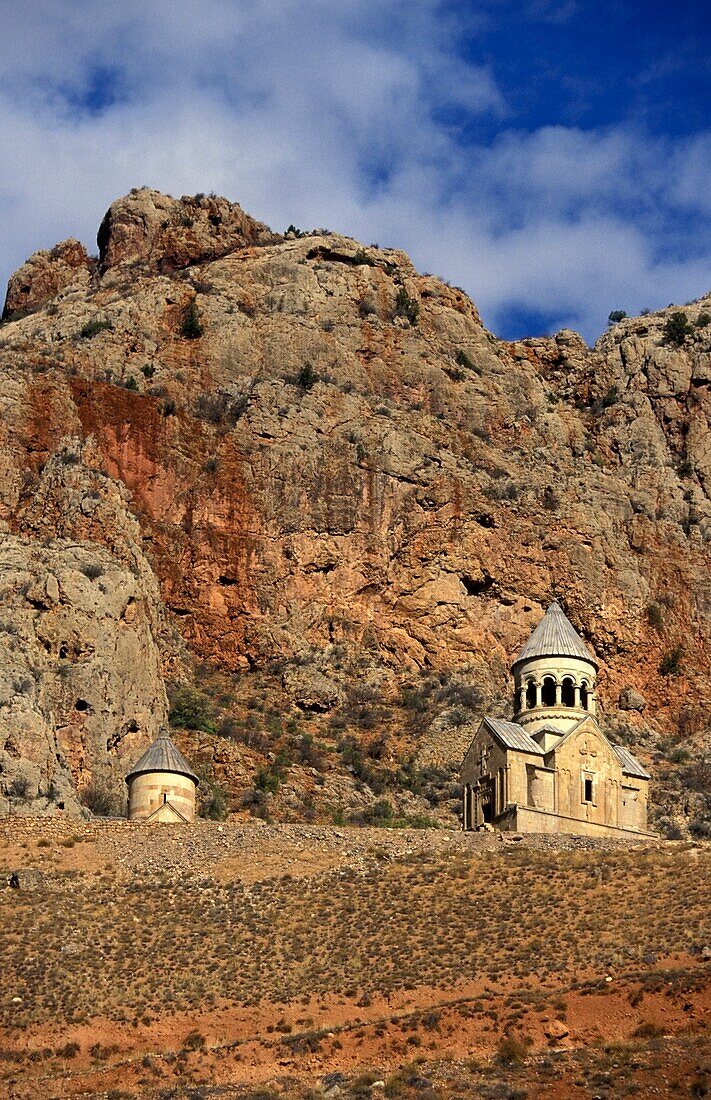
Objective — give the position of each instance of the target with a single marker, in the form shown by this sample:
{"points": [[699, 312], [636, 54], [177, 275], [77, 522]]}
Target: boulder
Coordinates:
{"points": [[26, 878], [310, 689], [555, 1031], [630, 699]]}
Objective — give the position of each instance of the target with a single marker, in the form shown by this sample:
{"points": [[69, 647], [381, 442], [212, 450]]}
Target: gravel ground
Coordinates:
{"points": [[259, 850]]}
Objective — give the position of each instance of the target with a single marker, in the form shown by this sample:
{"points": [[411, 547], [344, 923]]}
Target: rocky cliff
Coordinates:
{"points": [[306, 466]]}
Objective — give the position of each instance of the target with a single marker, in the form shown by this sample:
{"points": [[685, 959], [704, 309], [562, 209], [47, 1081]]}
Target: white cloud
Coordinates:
{"points": [[340, 115]]}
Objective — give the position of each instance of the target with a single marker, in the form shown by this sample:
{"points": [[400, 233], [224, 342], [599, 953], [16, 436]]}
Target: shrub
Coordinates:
{"points": [[677, 328], [147, 370], [406, 307], [510, 1051], [361, 257], [615, 316], [99, 797], [213, 801], [655, 616], [20, 787], [292, 229], [191, 710], [307, 377], [220, 407], [671, 662], [190, 326], [268, 779], [131, 383], [703, 320], [194, 1040], [93, 328], [379, 813], [69, 1050]]}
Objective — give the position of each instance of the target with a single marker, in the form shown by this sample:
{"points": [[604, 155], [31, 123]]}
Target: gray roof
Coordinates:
{"points": [[555, 636], [550, 728], [163, 756], [630, 764], [513, 736]]}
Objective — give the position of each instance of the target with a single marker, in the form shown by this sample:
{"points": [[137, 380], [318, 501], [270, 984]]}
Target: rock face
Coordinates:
{"points": [[81, 688], [172, 233], [44, 275], [335, 465]]}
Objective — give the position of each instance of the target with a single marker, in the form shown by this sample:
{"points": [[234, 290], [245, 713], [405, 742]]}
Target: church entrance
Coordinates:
{"points": [[486, 801]]}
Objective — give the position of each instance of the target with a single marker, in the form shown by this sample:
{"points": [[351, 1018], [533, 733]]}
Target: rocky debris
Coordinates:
{"points": [[26, 878], [45, 275], [149, 227]]}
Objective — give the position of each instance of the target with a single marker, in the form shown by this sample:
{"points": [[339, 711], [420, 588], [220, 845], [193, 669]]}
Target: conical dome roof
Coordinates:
{"points": [[163, 756], [555, 636]]}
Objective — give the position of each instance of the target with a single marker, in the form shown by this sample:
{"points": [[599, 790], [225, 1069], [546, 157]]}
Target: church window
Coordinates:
{"points": [[585, 695], [568, 693], [588, 790], [530, 695], [548, 692]]}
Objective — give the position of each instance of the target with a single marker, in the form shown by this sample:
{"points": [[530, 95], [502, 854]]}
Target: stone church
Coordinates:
{"points": [[552, 770]]}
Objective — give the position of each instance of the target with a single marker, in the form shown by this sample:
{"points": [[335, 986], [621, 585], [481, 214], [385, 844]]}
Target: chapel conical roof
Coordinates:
{"points": [[555, 636], [163, 756]]}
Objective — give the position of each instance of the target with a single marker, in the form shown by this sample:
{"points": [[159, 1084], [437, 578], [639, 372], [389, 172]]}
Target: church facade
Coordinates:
{"points": [[552, 769]]}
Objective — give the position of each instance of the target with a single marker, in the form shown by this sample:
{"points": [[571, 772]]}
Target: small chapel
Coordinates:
{"points": [[162, 785], [552, 769]]}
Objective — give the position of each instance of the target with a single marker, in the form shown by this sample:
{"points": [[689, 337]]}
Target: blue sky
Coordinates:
{"points": [[550, 156]]}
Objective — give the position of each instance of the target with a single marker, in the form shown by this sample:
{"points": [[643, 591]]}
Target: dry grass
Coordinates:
{"points": [[97, 945]]}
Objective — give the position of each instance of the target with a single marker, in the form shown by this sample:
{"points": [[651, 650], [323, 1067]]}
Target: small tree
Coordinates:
{"points": [[190, 327], [616, 316], [191, 710], [307, 377], [677, 328]]}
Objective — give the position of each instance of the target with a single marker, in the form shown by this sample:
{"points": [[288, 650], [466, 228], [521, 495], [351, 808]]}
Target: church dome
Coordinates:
{"points": [[555, 636], [554, 677], [163, 756]]}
